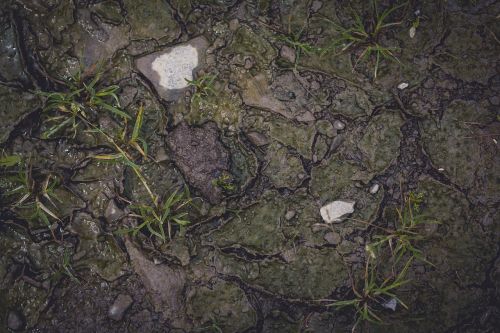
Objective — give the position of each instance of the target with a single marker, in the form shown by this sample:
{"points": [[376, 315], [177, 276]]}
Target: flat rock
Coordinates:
{"points": [[333, 238], [113, 212], [257, 138], [169, 69], [164, 284], [336, 210], [200, 156], [119, 306]]}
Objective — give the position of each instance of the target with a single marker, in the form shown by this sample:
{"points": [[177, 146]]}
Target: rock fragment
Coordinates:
{"points": [[119, 306], [374, 188], [200, 156], [164, 284], [169, 69], [257, 139], [338, 125], [290, 215], [113, 212], [333, 238], [336, 210]]}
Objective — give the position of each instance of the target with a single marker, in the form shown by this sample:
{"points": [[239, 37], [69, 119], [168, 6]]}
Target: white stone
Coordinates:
{"points": [[391, 304], [413, 31], [403, 85], [374, 188], [176, 66], [334, 211]]}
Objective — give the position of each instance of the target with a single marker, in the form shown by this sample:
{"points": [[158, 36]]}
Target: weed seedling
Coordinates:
{"points": [[167, 213], [406, 233], [225, 182], [28, 197], [82, 100], [369, 300], [300, 47], [364, 37], [63, 268], [202, 87]]}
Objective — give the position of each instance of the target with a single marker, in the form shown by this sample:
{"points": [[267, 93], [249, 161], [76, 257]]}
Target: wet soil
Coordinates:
{"points": [[284, 132]]}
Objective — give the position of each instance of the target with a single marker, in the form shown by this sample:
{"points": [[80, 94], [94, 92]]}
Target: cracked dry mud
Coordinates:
{"points": [[292, 130]]}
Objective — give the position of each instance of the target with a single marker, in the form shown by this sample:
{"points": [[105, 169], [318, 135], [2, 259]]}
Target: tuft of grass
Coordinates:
{"points": [[363, 37], [202, 87], [82, 99], [407, 231], [212, 328], [28, 196], [300, 47], [7, 161], [64, 269], [159, 220], [225, 182], [375, 291]]}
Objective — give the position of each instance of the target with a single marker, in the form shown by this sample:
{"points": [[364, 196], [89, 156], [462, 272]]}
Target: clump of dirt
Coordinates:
{"points": [[200, 156]]}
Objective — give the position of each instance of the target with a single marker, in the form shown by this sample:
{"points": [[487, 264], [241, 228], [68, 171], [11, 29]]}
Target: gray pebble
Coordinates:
{"points": [[333, 238], [120, 305], [374, 188], [316, 5], [113, 212], [287, 53], [337, 124], [257, 139], [290, 215], [495, 100]]}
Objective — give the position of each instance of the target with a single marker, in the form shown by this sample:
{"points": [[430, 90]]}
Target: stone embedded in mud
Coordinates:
{"points": [[333, 238], [169, 69], [336, 210], [290, 215], [120, 305], [338, 125], [200, 156], [374, 188], [257, 138], [165, 284], [113, 212]]}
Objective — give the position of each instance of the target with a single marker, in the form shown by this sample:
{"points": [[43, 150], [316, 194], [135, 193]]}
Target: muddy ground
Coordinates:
{"points": [[284, 132]]}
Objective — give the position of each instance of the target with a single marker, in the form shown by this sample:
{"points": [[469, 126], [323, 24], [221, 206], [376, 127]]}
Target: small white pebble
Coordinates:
{"points": [[441, 169], [403, 85], [374, 188], [495, 141], [413, 31]]}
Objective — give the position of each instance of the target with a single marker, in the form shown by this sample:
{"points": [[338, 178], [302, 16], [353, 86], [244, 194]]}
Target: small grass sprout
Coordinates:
{"points": [[369, 300], [27, 196], [406, 233], [202, 87], [159, 220], [300, 47], [82, 99], [364, 37], [225, 182]]}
